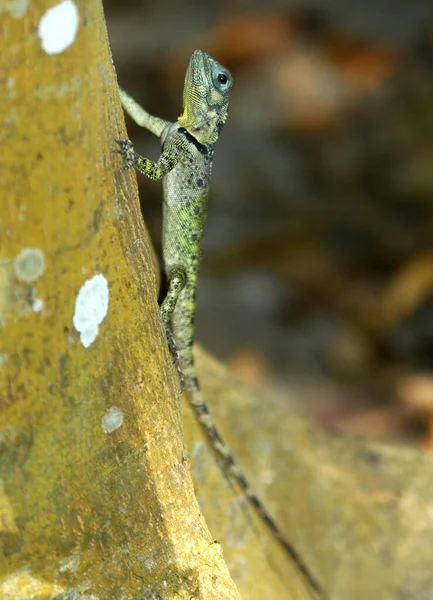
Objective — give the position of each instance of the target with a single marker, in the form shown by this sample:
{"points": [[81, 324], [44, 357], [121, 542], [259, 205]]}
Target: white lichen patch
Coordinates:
{"points": [[69, 563], [29, 264], [91, 307], [112, 420], [22, 586], [14, 8], [58, 27], [37, 305]]}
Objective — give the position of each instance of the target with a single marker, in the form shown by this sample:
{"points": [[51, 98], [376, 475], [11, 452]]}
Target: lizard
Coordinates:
{"points": [[185, 166]]}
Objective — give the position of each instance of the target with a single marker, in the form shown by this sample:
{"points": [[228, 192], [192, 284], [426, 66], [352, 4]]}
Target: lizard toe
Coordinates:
{"points": [[126, 150]]}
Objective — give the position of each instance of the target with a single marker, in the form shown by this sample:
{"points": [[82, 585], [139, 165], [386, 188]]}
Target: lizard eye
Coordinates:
{"points": [[222, 78]]}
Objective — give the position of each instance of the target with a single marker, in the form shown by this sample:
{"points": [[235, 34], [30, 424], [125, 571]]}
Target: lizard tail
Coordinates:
{"points": [[202, 413]]}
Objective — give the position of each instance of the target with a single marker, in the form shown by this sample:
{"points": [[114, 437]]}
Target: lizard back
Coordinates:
{"points": [[186, 190]]}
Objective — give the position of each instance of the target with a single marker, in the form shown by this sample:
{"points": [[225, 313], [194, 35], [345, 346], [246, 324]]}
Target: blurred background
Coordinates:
{"points": [[317, 281]]}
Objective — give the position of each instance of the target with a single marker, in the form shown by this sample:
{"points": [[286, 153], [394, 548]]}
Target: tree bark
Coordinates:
{"points": [[96, 497], [360, 514]]}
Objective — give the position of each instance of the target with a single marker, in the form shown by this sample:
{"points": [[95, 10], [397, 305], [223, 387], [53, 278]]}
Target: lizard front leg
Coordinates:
{"points": [[152, 169]]}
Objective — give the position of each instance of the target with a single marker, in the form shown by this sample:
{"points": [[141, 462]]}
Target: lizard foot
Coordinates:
{"points": [[126, 149]]}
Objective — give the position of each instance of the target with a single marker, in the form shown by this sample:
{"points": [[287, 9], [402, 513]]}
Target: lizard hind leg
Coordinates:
{"points": [[176, 285]]}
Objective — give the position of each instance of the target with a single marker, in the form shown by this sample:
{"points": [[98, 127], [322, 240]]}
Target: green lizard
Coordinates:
{"points": [[185, 166]]}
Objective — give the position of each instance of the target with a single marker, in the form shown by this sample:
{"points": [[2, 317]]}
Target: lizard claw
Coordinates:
{"points": [[126, 150]]}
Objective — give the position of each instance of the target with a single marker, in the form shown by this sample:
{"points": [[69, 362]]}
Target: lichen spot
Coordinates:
{"points": [[58, 27], [112, 420], [69, 563], [23, 585], [29, 264], [91, 307], [37, 305], [15, 8]]}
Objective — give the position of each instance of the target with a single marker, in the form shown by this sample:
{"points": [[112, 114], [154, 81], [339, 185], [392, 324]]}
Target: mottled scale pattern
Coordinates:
{"points": [[184, 216], [185, 165]]}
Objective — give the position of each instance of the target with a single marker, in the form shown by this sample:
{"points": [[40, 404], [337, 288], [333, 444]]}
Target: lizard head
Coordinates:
{"points": [[205, 97]]}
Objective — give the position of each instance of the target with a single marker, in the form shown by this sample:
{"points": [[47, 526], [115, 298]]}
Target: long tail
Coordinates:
{"points": [[203, 416]]}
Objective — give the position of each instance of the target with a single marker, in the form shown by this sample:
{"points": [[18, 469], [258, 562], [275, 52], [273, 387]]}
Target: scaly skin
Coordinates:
{"points": [[185, 166]]}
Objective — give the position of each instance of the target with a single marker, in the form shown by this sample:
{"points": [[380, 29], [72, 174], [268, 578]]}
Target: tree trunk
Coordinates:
{"points": [[96, 497]]}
